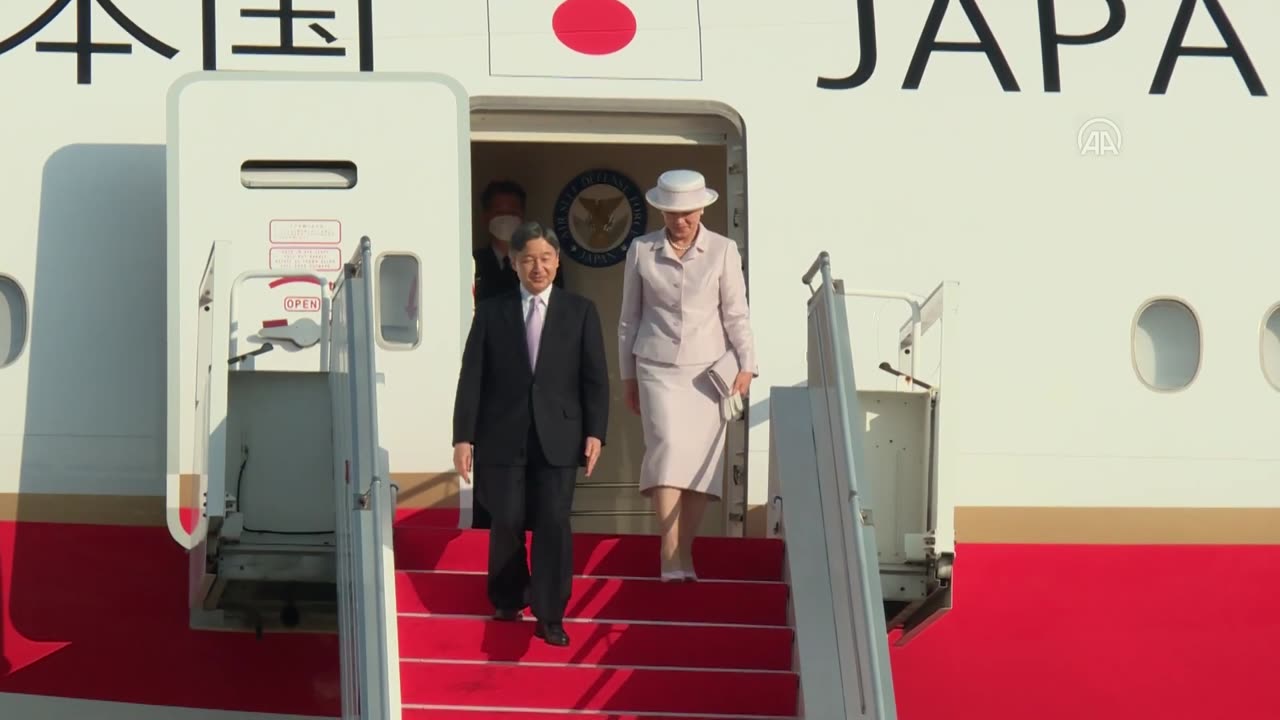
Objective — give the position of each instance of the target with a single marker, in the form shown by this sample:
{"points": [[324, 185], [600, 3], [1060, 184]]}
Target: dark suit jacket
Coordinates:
{"points": [[498, 396], [492, 279]]}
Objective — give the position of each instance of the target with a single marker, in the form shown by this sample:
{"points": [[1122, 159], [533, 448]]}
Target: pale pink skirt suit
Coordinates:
{"points": [[679, 316]]}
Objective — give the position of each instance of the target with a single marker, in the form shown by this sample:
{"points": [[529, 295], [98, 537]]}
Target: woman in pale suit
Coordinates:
{"points": [[684, 311]]}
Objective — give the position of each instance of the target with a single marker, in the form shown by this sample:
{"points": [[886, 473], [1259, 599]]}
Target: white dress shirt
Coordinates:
{"points": [[526, 302]]}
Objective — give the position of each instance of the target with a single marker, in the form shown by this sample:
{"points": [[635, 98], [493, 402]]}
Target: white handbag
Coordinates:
{"points": [[722, 374]]}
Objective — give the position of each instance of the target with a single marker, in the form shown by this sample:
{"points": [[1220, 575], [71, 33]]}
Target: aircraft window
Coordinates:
{"points": [[399, 295], [1166, 345], [13, 321], [1271, 346]]}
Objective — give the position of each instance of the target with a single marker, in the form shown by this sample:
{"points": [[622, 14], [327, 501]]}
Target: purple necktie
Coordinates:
{"points": [[533, 330]]}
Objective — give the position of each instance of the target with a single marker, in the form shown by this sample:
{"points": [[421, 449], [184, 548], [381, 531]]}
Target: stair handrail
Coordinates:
{"points": [[856, 525], [915, 302], [366, 566], [325, 303], [378, 499]]}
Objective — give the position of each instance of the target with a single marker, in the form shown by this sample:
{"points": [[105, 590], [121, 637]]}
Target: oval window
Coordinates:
{"points": [[400, 324], [13, 321], [1166, 345], [1271, 346]]}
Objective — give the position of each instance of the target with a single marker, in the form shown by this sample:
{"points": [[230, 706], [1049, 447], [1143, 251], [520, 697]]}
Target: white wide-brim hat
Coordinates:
{"points": [[681, 191]]}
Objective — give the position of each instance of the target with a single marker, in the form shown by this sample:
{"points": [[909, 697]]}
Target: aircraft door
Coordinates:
{"points": [[287, 172]]}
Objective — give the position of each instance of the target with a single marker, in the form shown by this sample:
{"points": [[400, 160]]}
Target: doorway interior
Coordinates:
{"points": [[562, 154]]}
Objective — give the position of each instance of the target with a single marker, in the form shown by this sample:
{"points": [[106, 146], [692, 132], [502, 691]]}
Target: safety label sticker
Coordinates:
{"points": [[313, 259], [306, 232]]}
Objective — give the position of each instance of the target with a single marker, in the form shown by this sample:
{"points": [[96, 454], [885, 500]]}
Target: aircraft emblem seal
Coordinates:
{"points": [[597, 215]]}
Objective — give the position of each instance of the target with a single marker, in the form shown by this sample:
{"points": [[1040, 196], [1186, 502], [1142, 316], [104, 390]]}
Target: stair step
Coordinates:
{"points": [[445, 712], [603, 643], [615, 599], [635, 524], [611, 497], [618, 690], [434, 548], [439, 518]]}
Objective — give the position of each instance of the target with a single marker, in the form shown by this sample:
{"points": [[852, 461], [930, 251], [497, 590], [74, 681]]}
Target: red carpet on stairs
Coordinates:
{"points": [[464, 714], [641, 649]]}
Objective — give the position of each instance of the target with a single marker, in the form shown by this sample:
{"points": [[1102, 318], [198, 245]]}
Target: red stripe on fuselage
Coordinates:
{"points": [[100, 612], [1103, 632], [1052, 632]]}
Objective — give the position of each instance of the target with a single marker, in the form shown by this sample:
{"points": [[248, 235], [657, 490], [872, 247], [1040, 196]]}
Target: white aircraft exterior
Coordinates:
{"points": [[1076, 195]]}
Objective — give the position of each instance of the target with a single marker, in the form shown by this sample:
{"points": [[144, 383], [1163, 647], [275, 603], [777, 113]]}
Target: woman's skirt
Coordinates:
{"points": [[684, 434]]}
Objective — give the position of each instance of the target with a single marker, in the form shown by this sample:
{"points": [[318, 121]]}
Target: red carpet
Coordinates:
{"points": [[465, 714], [435, 548], [716, 648], [1040, 632]]}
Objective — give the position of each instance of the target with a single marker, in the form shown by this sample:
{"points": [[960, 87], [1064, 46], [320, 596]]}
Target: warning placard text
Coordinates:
{"points": [[314, 259], [306, 232]]}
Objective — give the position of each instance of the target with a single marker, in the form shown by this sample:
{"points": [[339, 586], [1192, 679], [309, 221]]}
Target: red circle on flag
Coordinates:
{"points": [[594, 27]]}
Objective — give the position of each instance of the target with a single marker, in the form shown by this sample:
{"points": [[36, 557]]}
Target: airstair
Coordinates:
{"points": [[279, 481], [321, 562]]}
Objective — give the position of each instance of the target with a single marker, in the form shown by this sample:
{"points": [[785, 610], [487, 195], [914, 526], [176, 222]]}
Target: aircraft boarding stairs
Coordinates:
{"points": [[788, 627]]}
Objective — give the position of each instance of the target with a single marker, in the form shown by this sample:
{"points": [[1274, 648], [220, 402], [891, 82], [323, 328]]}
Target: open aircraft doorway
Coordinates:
{"points": [[584, 171]]}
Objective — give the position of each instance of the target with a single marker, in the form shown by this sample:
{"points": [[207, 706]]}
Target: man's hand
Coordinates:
{"points": [[592, 453], [742, 383], [631, 393], [462, 461]]}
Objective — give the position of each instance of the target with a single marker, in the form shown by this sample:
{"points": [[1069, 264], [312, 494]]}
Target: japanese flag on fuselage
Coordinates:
{"points": [[625, 39]]}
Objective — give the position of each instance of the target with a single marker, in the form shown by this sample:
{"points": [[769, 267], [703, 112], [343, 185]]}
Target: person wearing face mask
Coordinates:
{"points": [[503, 206], [687, 358]]}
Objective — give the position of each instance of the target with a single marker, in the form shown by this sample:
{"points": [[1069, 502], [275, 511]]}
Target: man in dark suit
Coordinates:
{"points": [[503, 206], [532, 405]]}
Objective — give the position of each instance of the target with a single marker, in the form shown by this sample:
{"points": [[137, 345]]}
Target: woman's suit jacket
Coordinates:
{"points": [[686, 312]]}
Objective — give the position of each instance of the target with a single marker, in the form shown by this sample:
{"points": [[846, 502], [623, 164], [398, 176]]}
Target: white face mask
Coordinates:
{"points": [[503, 226]]}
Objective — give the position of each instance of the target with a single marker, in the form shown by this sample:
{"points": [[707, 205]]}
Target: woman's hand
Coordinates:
{"points": [[742, 383], [631, 392]]}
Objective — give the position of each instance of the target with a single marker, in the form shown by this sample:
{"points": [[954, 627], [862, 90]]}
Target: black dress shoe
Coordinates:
{"points": [[552, 633], [506, 615]]}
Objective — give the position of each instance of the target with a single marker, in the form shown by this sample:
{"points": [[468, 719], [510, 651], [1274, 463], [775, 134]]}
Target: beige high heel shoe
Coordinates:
{"points": [[669, 575], [689, 575]]}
